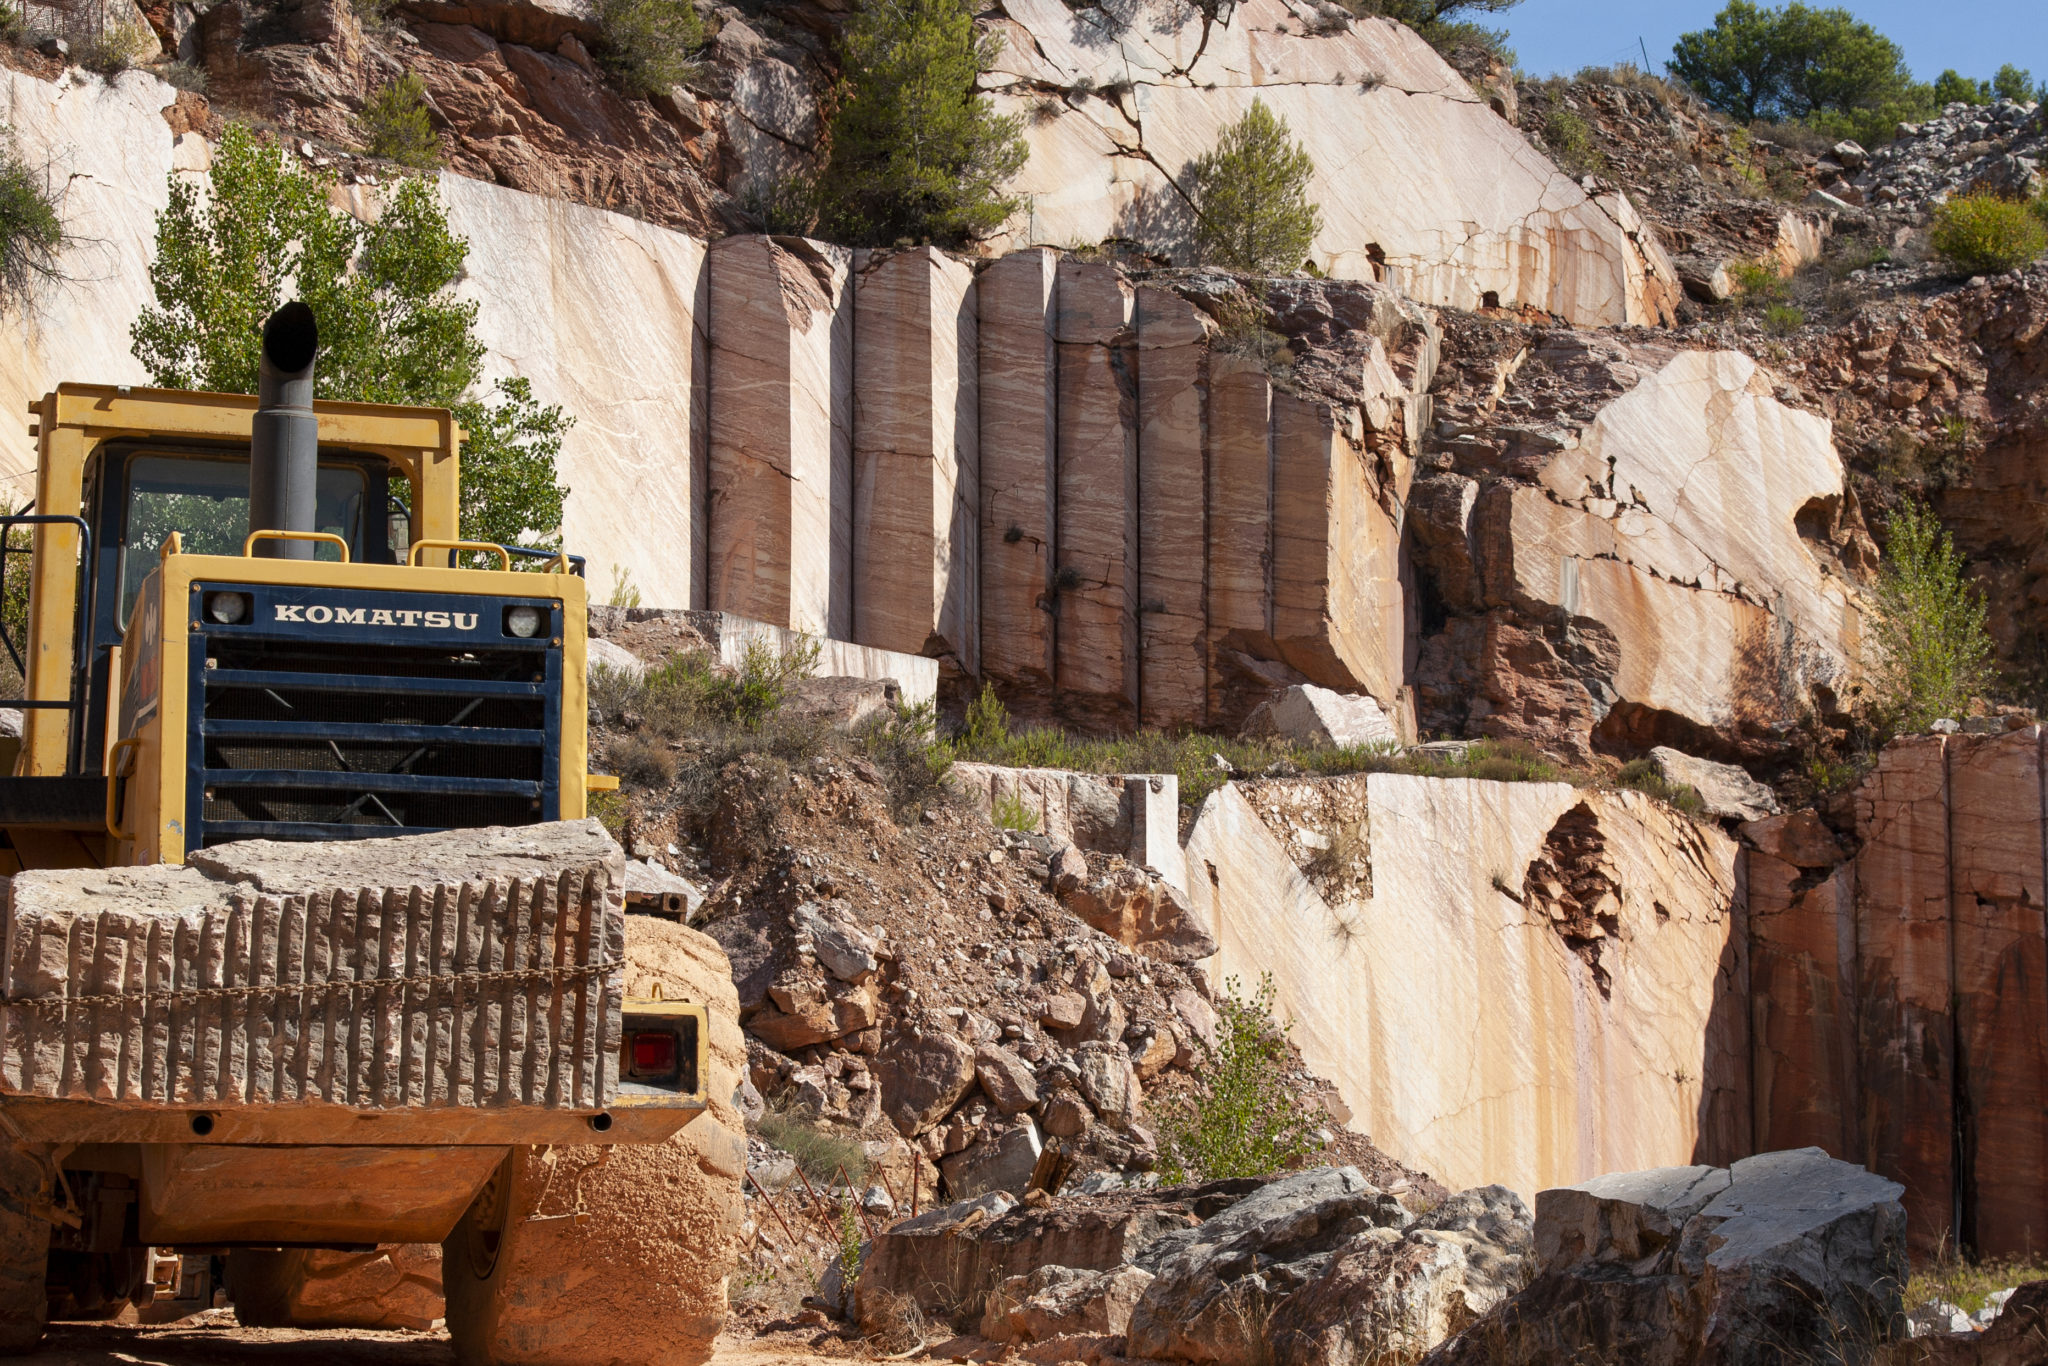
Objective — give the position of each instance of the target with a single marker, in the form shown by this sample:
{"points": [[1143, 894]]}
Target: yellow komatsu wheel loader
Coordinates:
{"points": [[254, 619]]}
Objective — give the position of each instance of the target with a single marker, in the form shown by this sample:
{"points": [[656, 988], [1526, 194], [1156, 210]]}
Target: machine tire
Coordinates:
{"points": [[612, 1256], [24, 1254], [260, 1285]]}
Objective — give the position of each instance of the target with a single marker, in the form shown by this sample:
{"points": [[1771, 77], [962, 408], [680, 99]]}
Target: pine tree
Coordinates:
{"points": [[1250, 196], [391, 329], [916, 151]]}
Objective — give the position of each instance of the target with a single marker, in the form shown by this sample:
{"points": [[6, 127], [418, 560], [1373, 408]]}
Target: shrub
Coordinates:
{"points": [[916, 151], [643, 762], [391, 328], [820, 1152], [1782, 320], [118, 47], [849, 1242], [1984, 234], [624, 593], [1010, 813], [1570, 139], [1238, 1117], [31, 228], [1643, 776], [645, 45], [1759, 284], [1932, 655], [184, 75], [1250, 197], [902, 749], [399, 126]]}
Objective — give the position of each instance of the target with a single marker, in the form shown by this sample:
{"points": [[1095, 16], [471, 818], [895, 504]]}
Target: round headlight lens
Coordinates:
{"points": [[524, 622], [227, 608]]}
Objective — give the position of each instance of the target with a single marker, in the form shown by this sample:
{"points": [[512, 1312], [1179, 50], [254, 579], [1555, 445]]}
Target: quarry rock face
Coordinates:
{"points": [[1116, 107], [1784, 1252], [1606, 909]]}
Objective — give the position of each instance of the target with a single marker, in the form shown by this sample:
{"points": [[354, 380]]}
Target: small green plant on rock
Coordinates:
{"points": [[1250, 197], [1570, 139], [1644, 776], [1238, 1117], [119, 47], [1782, 320], [1932, 655], [399, 127], [849, 1243], [1986, 234], [1010, 813], [646, 45]]}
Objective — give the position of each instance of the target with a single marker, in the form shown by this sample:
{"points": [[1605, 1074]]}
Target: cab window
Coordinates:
{"points": [[206, 501]]}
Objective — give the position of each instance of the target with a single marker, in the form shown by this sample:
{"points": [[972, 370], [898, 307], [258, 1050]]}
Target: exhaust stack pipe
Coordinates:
{"points": [[284, 445]]}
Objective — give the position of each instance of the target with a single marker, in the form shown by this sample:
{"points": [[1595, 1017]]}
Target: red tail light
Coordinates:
{"points": [[654, 1051]]}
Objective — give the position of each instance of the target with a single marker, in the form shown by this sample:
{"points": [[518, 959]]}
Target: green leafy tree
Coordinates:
{"points": [[1250, 197], [1953, 87], [399, 126], [2017, 83], [1823, 66], [646, 44], [1441, 22], [391, 329], [1932, 655], [1239, 1117], [916, 152]]}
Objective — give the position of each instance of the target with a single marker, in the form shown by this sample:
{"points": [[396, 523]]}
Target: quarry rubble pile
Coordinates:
{"points": [[1989, 147]]}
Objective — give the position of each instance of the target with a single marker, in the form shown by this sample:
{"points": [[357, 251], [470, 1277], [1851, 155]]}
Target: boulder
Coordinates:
{"points": [[1392, 1290], [1788, 1255], [1067, 1116], [1308, 715], [1728, 790], [1001, 1159], [1213, 1283], [841, 948], [949, 1261], [923, 1075], [807, 1010], [1059, 1302], [1799, 838], [1005, 1079], [1108, 1081], [1143, 912]]}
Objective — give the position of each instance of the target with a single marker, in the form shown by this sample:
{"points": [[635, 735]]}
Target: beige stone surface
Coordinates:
{"points": [[109, 157], [1096, 577], [1412, 168], [1240, 522], [781, 462], [1019, 467], [605, 315], [1558, 1077], [916, 497], [1339, 612], [1672, 521], [1173, 381]]}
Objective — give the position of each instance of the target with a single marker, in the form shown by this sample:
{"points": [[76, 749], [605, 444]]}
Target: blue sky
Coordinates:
{"points": [[1975, 37]]}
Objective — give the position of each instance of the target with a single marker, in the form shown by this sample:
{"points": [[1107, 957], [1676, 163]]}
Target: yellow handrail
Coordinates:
{"points": [[114, 776], [413, 558], [249, 546], [174, 544]]}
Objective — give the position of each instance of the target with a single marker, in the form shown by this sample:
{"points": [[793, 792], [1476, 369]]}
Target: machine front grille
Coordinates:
{"points": [[316, 739]]}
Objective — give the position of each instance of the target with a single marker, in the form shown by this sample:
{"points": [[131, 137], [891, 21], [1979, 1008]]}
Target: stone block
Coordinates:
{"points": [[1803, 1009], [1904, 952], [1096, 579], [1173, 375], [1727, 790], [322, 919], [923, 1077], [1240, 528], [1339, 612], [1019, 430], [2001, 982], [781, 458], [916, 461]]}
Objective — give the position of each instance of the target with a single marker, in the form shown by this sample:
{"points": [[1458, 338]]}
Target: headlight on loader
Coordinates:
{"points": [[229, 609], [524, 622]]}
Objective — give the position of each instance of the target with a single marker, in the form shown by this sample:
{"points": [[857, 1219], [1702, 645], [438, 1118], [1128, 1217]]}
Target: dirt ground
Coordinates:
{"points": [[199, 1344]]}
